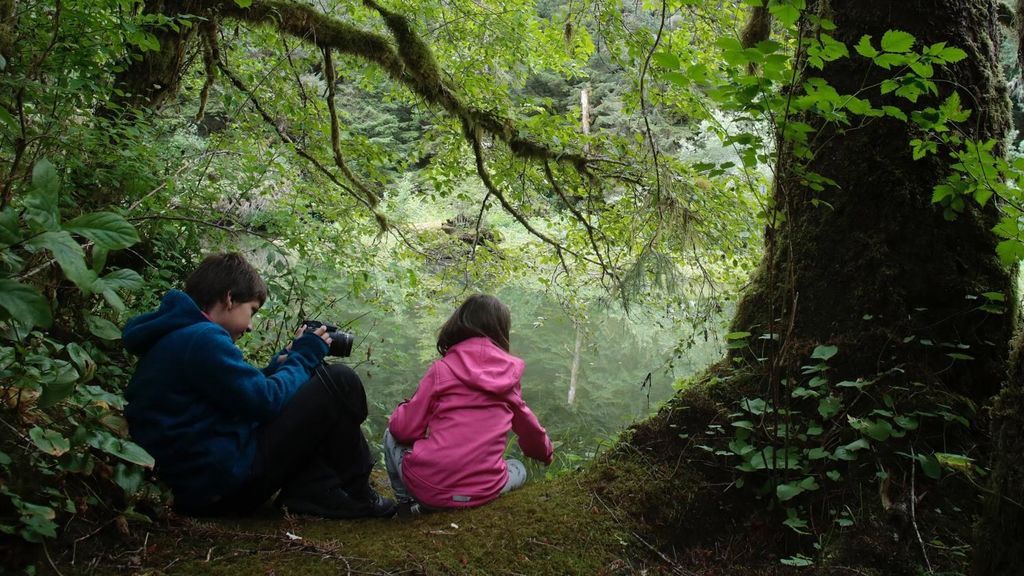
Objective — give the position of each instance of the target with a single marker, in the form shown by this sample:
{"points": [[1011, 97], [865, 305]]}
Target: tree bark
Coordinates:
{"points": [[998, 548], [873, 269], [8, 23], [879, 265], [153, 77]]}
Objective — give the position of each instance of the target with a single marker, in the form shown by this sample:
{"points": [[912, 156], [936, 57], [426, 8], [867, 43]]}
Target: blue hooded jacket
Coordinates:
{"points": [[194, 403]]}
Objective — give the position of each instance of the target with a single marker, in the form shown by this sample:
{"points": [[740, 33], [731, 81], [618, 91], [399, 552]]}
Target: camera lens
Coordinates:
{"points": [[341, 344]]}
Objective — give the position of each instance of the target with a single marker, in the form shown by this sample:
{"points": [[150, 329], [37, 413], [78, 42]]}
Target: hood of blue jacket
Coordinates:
{"points": [[177, 310]]}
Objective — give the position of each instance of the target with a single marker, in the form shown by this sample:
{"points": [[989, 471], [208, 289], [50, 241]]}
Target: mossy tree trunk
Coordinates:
{"points": [[874, 269], [149, 79], [878, 264], [999, 550]]}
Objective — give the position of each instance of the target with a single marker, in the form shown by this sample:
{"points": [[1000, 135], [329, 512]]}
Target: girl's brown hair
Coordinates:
{"points": [[479, 315]]}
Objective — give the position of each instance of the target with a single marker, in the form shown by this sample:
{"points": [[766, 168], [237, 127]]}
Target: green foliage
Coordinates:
{"points": [[820, 435], [65, 425]]}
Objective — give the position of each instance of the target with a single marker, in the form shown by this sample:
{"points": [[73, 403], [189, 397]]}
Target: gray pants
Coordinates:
{"points": [[395, 452]]}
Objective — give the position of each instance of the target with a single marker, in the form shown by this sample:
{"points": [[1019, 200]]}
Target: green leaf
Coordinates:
{"points": [[923, 69], [41, 203], [120, 279], [10, 232], [243, 3], [897, 41], [99, 258], [864, 47], [829, 406], [676, 78], [799, 560], [38, 521], [879, 430], [785, 13], [666, 60], [83, 361], [49, 441], [68, 254], [108, 230], [848, 452], [9, 120], [25, 304], [906, 422], [129, 478], [994, 296], [957, 462], [1010, 251], [58, 383], [102, 328], [887, 61], [824, 352], [952, 54], [930, 466], [895, 112], [809, 483], [818, 453], [127, 451], [794, 522], [755, 406], [788, 491]]}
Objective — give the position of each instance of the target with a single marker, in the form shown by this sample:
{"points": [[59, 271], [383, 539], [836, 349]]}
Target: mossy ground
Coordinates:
{"points": [[548, 527], [658, 503]]}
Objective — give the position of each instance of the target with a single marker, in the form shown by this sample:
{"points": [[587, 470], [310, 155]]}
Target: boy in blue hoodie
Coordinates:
{"points": [[225, 435]]}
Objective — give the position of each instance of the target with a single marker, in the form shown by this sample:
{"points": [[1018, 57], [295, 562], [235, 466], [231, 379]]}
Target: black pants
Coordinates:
{"points": [[314, 444]]}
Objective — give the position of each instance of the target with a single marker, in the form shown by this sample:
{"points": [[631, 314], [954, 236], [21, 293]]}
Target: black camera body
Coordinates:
{"points": [[341, 341]]}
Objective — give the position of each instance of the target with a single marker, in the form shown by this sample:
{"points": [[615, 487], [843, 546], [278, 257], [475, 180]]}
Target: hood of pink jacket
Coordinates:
{"points": [[480, 364]]}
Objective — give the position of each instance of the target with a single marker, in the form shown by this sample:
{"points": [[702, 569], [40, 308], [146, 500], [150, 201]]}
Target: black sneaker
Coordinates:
{"points": [[408, 509], [336, 503]]}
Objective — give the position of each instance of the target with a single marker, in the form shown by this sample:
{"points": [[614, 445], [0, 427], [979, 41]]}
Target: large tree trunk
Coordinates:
{"points": [[999, 549], [874, 270], [881, 265]]}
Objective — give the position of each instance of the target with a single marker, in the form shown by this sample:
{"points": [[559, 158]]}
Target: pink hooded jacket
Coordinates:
{"points": [[458, 423]]}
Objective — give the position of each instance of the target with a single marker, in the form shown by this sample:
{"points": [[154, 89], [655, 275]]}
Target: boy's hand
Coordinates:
{"points": [[321, 332]]}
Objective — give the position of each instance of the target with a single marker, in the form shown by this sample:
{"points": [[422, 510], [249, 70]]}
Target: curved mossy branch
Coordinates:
{"points": [[302, 152], [372, 199], [211, 55], [481, 169], [592, 232], [408, 61], [406, 58]]}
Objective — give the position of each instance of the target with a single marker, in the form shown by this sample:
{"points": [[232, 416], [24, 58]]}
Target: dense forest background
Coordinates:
{"points": [[648, 187]]}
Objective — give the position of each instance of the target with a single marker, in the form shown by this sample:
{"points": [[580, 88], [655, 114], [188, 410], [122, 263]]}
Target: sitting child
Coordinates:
{"points": [[226, 435], [444, 448]]}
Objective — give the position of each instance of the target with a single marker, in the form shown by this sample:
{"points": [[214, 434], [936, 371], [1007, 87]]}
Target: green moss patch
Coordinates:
{"points": [[548, 527]]}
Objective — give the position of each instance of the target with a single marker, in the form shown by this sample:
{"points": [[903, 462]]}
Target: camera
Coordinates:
{"points": [[341, 341]]}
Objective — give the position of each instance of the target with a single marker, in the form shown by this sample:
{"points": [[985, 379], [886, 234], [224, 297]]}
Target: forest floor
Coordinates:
{"points": [[548, 527]]}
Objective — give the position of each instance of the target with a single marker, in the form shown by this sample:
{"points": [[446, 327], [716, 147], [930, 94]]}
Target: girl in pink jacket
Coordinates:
{"points": [[445, 447]]}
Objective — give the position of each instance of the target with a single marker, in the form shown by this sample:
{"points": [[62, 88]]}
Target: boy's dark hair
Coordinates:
{"points": [[221, 274], [479, 315]]}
